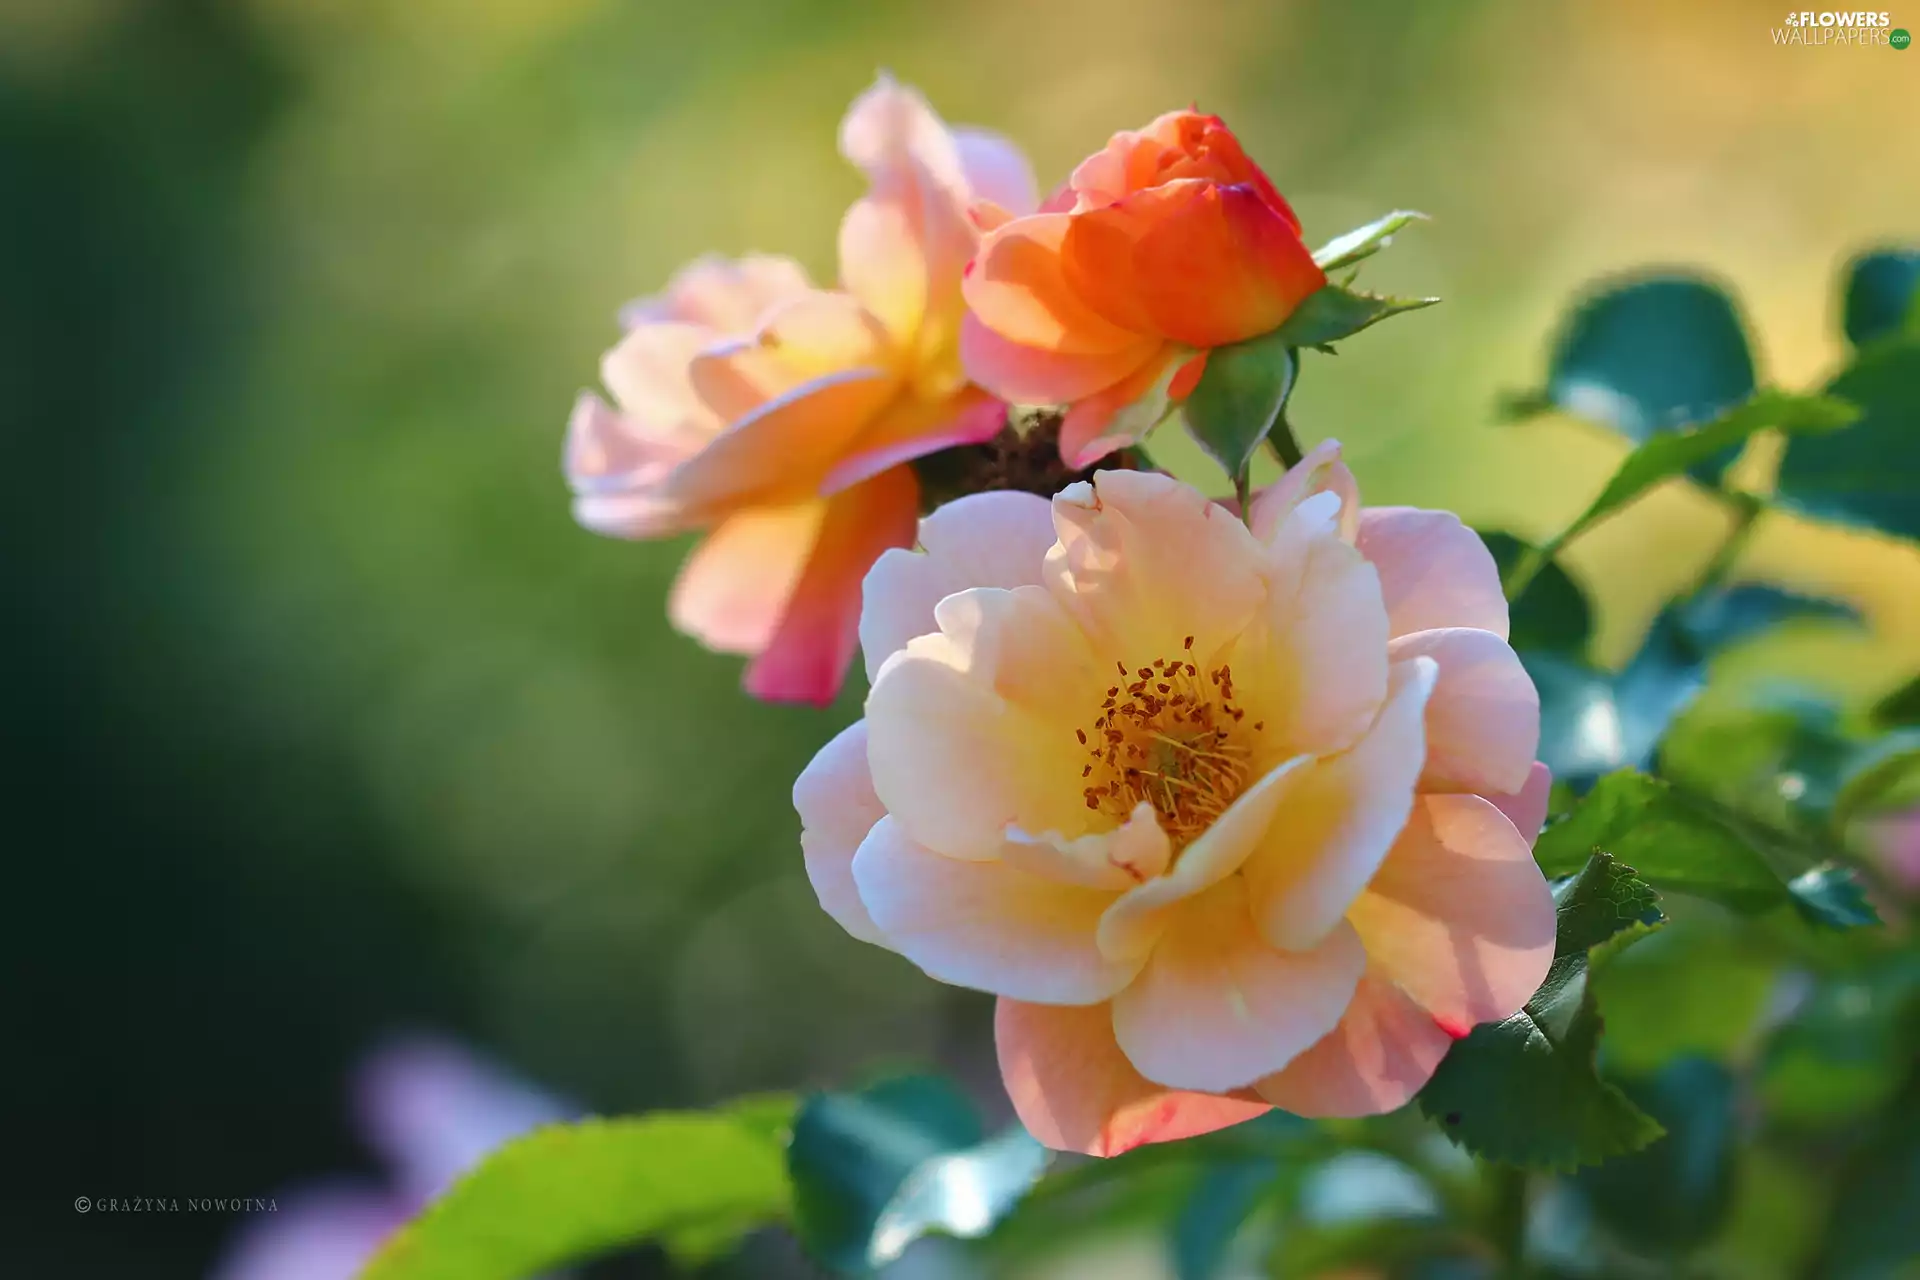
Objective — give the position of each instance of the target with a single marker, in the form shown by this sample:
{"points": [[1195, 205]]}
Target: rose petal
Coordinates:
{"points": [[994, 539], [1144, 562], [1383, 1052], [1135, 922], [807, 658], [996, 170], [986, 925], [972, 728], [1314, 663], [617, 475], [1321, 471], [1017, 286], [649, 374], [608, 452], [1118, 860], [733, 590], [785, 446], [1483, 721], [1526, 808], [913, 428], [1075, 1091], [1035, 375], [725, 297], [1216, 1008], [1338, 819], [837, 807], [1123, 413], [1434, 571], [1459, 916], [1216, 264], [902, 246]]}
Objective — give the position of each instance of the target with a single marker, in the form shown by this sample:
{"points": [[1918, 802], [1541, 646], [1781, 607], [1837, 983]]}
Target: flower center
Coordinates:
{"points": [[1167, 734]]}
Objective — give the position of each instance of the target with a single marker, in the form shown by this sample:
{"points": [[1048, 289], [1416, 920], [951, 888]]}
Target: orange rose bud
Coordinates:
{"points": [[1168, 242]]}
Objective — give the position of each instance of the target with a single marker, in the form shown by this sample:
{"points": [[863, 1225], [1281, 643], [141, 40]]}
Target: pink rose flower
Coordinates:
{"points": [[779, 416], [1166, 243], [1228, 818]]}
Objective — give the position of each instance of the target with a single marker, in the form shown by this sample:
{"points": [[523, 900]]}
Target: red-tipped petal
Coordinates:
{"points": [[1075, 1091]]}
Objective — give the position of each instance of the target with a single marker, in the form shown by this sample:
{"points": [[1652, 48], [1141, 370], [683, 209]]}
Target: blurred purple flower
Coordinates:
{"points": [[1893, 843], [430, 1109]]}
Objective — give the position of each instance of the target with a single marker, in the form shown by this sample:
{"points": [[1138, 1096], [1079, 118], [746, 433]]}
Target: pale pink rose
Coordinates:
{"points": [[1228, 819], [779, 416]]}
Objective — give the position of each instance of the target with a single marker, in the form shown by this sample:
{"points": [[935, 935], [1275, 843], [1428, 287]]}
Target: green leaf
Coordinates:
{"points": [[1653, 355], [1525, 1091], [1673, 1195], [1593, 722], [875, 1170], [1778, 760], [1240, 397], [1334, 312], [1867, 475], [1846, 1050], [1363, 242], [567, 1192], [1552, 615], [1675, 844], [1721, 618], [1883, 289], [1685, 843], [1874, 1233], [1697, 987], [1669, 454], [1901, 707], [1881, 775], [1833, 896], [1228, 1195]]}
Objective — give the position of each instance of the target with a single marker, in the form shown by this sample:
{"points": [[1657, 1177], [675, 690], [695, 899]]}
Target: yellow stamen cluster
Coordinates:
{"points": [[1168, 735]]}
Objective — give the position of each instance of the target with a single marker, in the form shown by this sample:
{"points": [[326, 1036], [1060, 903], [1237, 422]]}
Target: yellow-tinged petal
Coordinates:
{"points": [[1338, 819], [986, 925], [783, 448], [1135, 922], [733, 590], [1145, 561], [1216, 1008], [1460, 915], [969, 726], [994, 539]]}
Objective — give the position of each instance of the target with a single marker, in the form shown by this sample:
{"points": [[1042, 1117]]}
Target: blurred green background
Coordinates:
{"points": [[327, 721]]}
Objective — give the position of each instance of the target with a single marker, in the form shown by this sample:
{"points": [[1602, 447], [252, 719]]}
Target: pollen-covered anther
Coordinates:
{"points": [[1171, 739]]}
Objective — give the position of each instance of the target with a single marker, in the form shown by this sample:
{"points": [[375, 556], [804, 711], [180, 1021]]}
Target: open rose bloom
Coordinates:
{"points": [[1165, 244], [778, 415], [1227, 817]]}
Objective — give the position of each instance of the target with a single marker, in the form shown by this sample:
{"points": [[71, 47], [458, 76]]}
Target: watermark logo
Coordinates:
{"points": [[175, 1204], [1828, 29]]}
